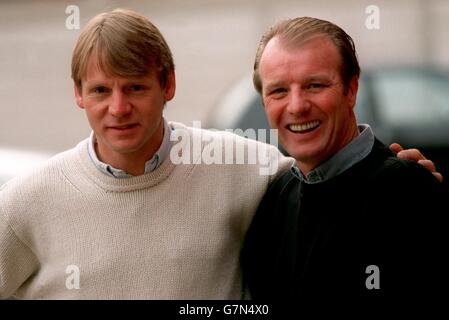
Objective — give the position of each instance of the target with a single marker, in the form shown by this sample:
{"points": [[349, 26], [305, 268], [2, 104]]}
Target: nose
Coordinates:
{"points": [[298, 102], [119, 105]]}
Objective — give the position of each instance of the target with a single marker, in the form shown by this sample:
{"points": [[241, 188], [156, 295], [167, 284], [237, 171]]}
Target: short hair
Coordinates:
{"points": [[294, 32], [125, 44]]}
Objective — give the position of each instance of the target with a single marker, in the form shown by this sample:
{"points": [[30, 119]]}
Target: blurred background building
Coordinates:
{"points": [[213, 42]]}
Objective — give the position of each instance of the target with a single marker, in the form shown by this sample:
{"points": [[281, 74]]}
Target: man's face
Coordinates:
{"points": [[304, 98], [124, 113]]}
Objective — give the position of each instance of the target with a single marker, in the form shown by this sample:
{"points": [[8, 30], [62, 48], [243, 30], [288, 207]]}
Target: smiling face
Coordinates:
{"points": [[124, 113], [305, 99]]}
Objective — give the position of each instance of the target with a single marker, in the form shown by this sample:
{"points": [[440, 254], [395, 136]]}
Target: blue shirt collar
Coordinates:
{"points": [[352, 153], [151, 165]]}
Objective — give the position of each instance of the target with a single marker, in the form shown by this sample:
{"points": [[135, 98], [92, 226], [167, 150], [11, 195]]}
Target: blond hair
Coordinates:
{"points": [[124, 44]]}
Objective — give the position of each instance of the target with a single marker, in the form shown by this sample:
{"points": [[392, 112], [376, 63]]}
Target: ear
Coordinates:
{"points": [[170, 87], [352, 91], [78, 97]]}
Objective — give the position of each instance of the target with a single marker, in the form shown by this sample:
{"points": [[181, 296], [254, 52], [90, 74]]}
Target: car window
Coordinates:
{"points": [[412, 98]]}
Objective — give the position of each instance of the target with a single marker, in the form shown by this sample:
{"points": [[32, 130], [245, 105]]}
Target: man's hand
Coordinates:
{"points": [[416, 155]]}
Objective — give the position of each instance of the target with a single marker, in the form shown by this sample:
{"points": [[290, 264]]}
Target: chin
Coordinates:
{"points": [[124, 147]]}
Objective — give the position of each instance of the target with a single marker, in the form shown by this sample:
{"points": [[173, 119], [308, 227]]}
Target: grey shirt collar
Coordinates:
{"points": [[352, 153], [151, 165]]}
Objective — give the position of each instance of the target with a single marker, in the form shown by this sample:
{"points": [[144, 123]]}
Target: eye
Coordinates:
{"points": [[316, 86], [278, 92], [136, 88], [99, 90]]}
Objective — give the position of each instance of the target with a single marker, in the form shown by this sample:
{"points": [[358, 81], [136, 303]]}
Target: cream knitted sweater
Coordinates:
{"points": [[68, 231]]}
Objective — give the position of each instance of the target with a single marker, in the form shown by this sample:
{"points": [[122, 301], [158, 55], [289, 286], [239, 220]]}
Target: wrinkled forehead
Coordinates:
{"points": [[316, 59], [319, 44]]}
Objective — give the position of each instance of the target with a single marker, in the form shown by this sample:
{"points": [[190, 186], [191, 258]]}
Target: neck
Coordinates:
{"points": [[132, 162], [308, 165]]}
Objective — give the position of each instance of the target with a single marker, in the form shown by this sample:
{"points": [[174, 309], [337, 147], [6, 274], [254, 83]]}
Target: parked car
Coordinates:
{"points": [[408, 105], [14, 162]]}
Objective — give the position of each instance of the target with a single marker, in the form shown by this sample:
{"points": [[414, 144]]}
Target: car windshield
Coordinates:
{"points": [[412, 98]]}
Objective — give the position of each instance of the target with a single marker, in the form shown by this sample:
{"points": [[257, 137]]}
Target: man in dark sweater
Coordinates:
{"points": [[350, 219]]}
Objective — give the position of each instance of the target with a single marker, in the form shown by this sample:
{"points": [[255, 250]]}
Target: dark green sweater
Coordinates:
{"points": [[327, 239]]}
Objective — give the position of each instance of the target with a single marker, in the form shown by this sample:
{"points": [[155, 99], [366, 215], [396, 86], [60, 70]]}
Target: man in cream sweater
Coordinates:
{"points": [[138, 210], [129, 213]]}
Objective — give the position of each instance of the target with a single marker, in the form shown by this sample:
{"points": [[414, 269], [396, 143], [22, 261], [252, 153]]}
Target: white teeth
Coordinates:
{"points": [[305, 126]]}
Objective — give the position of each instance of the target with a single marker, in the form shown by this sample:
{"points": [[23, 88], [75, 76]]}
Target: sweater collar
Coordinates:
{"points": [[352, 153], [151, 165], [111, 184]]}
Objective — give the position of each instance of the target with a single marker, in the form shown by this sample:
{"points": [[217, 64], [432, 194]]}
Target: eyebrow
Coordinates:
{"points": [[272, 85], [134, 80], [317, 77], [88, 86]]}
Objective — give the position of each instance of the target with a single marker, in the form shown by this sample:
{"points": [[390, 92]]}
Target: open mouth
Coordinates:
{"points": [[305, 127]]}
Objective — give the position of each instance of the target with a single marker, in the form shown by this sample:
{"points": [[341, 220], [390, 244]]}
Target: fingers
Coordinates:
{"points": [[411, 154], [438, 176], [407, 154], [396, 147], [416, 155], [428, 164]]}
